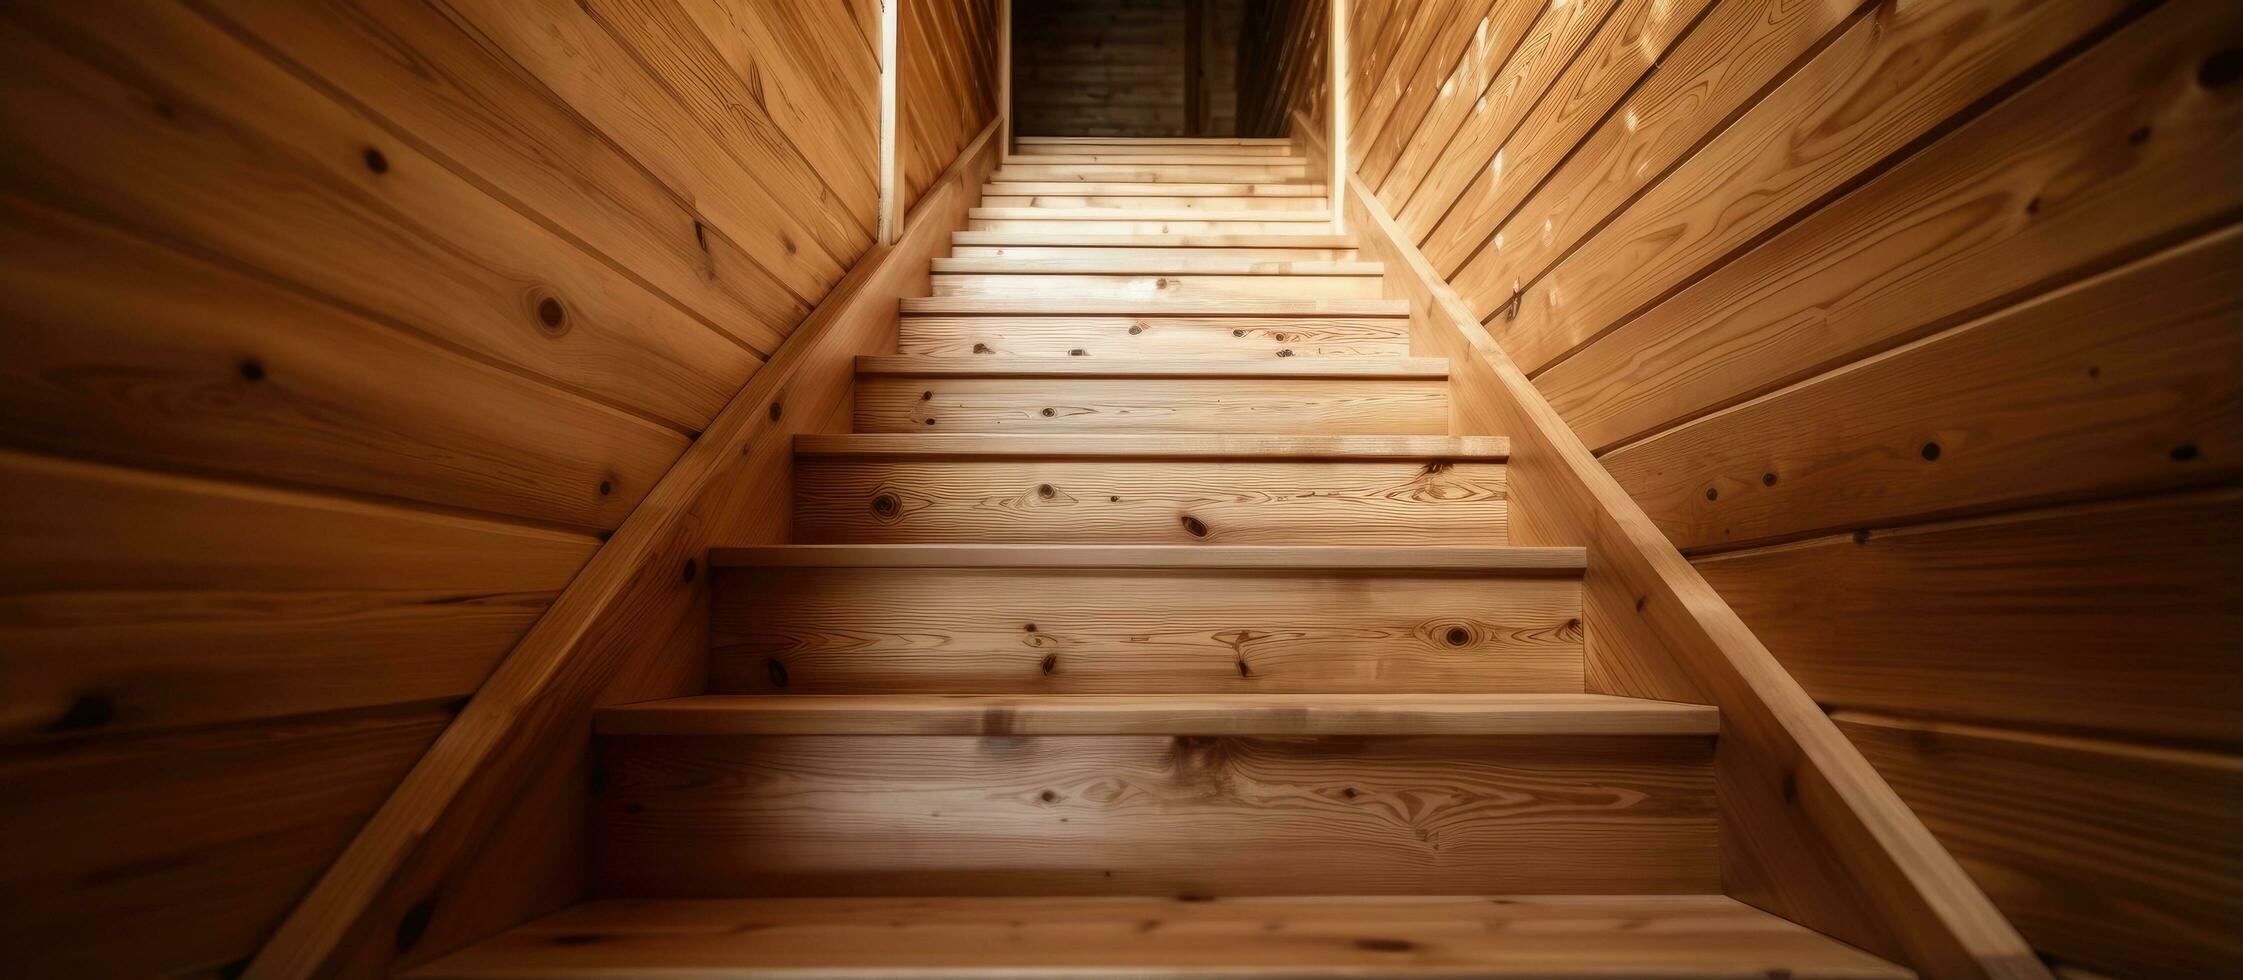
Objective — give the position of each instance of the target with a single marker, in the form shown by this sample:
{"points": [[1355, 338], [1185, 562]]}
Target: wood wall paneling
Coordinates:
{"points": [[340, 334]]}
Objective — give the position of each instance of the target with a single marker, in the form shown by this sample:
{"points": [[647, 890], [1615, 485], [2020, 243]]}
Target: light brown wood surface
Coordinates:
{"points": [[1181, 622], [1121, 714], [1664, 937], [1150, 335], [1150, 814], [1083, 395]]}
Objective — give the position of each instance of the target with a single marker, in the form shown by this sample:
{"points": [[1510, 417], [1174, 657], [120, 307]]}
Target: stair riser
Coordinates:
{"points": [[1157, 287], [1154, 336], [1141, 631], [1000, 199], [1085, 253], [1154, 815], [1093, 226], [1127, 190], [1088, 156], [1123, 149], [1287, 406], [852, 500], [1018, 169]]}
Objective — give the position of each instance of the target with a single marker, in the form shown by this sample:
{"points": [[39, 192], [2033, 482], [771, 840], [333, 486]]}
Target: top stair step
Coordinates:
{"points": [[1047, 238], [1156, 140], [1270, 715]]}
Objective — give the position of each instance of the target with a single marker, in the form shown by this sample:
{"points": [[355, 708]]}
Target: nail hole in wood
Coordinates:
{"points": [[1767, 479], [414, 923], [1712, 494], [1931, 451], [88, 711], [2220, 69]]}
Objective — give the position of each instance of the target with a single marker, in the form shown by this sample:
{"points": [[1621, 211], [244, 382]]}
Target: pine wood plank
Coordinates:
{"points": [[2121, 383], [2113, 618], [1169, 158], [2127, 842], [480, 112], [1154, 335], [1018, 168], [1153, 288], [1081, 402], [1159, 266], [1382, 715], [1251, 491], [281, 180], [210, 370], [1278, 142], [1058, 221], [1665, 937], [1152, 150], [1143, 619], [1003, 198], [1076, 188], [1737, 188], [1136, 814], [1185, 447], [944, 305], [1967, 225], [1052, 239]]}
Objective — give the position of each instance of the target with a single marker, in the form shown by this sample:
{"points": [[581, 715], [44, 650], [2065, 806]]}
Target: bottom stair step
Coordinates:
{"points": [[1695, 936]]}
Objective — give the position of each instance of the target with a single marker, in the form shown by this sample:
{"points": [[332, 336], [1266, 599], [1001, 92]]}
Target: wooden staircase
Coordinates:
{"points": [[1151, 623]]}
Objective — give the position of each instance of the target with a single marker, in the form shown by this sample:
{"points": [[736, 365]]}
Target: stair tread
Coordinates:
{"points": [[1654, 936], [1133, 305], [1146, 188], [1180, 158], [1158, 714], [1158, 266], [1207, 240], [1145, 214], [1159, 140], [984, 366], [1543, 561], [890, 444]]}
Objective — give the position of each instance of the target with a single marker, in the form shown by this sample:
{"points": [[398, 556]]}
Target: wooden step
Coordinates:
{"points": [[917, 488], [1107, 619], [1145, 214], [1057, 222], [1151, 252], [1387, 715], [1014, 239], [961, 306], [1292, 395], [1655, 937], [998, 198], [1172, 157], [1119, 148], [1163, 265], [1043, 285], [1155, 335], [1134, 189], [1154, 814], [1024, 168], [1156, 140]]}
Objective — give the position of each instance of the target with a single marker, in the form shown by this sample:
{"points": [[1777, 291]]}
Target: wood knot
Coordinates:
{"points": [[553, 315], [1767, 479], [375, 161], [1287, 352], [776, 411], [886, 505], [1045, 491], [1385, 945], [1712, 494], [926, 396], [1238, 333], [1051, 663], [606, 488], [1457, 636], [981, 348], [1077, 352], [1193, 527], [776, 670], [1048, 796], [1930, 452], [1048, 413], [1136, 328], [252, 370]]}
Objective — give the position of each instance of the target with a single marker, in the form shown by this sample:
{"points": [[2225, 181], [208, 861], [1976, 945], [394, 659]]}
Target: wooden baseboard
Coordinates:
{"points": [[484, 832], [1809, 830]]}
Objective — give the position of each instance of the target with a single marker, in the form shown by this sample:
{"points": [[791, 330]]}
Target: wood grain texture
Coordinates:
{"points": [[1427, 501], [1292, 627], [1808, 826], [1063, 197], [1838, 116], [604, 641], [1155, 288], [1100, 68], [988, 238], [1154, 335], [2087, 168], [2090, 846], [1041, 815], [2113, 618], [1080, 402], [1668, 937], [276, 178], [1384, 715], [2121, 383]]}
